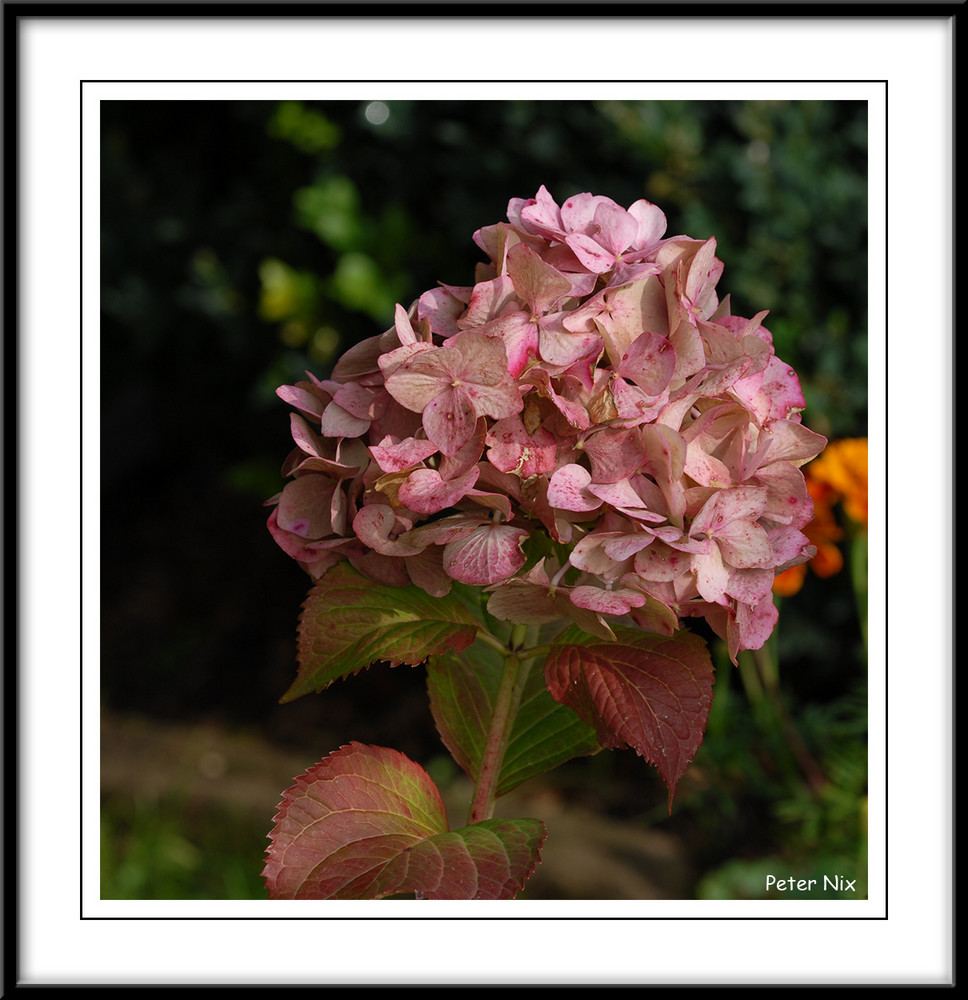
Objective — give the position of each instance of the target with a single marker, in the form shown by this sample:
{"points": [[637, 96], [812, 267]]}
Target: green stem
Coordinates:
{"points": [[484, 636], [513, 679], [769, 675]]}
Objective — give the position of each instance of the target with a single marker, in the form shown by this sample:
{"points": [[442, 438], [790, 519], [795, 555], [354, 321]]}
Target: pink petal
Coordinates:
{"points": [[622, 496], [396, 456], [426, 570], [568, 489], [649, 363], [442, 306], [337, 422], [518, 334], [661, 563], [578, 212], [712, 575], [363, 402], [745, 545], [450, 419], [310, 401], [754, 624], [607, 602], [614, 454], [425, 492], [616, 228], [423, 376], [560, 347], [651, 223], [750, 586], [490, 554], [375, 523], [591, 254], [538, 284], [305, 506], [513, 449]]}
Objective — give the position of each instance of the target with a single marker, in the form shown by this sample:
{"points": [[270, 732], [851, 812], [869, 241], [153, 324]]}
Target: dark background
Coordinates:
{"points": [[244, 242]]}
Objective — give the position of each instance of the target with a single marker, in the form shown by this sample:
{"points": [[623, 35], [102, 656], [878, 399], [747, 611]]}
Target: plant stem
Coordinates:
{"points": [[768, 674], [513, 678], [489, 639]]}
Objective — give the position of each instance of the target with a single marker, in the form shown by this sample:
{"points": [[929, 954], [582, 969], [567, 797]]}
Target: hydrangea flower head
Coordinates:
{"points": [[590, 394]]}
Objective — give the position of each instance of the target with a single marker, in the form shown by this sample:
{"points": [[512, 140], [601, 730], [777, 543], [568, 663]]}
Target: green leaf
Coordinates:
{"points": [[367, 822], [463, 689], [647, 691], [349, 622]]}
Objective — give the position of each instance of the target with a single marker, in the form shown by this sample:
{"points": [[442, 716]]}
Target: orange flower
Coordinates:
{"points": [[838, 475], [843, 468]]}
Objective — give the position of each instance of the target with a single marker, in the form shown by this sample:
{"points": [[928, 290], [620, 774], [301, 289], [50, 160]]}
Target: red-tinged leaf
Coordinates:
{"points": [[463, 692], [349, 622], [367, 822], [646, 691]]}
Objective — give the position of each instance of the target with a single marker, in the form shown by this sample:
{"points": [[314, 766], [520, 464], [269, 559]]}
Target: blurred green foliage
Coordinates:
{"points": [[164, 847], [243, 242]]}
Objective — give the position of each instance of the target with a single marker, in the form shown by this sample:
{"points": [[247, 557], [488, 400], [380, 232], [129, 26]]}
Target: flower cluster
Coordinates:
{"points": [[586, 431]]}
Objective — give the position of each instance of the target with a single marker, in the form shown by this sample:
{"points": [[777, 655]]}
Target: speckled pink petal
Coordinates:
{"points": [[750, 585], [375, 523], [395, 456], [337, 422], [537, 215], [792, 442], [310, 400], [512, 449], [706, 469], [744, 545], [712, 575], [649, 363], [617, 229], [305, 506], [662, 563], [775, 394], [568, 489], [450, 419], [496, 401], [489, 300], [607, 602], [467, 456], [590, 253], [754, 624], [426, 570], [442, 306], [615, 454], [425, 492], [491, 553], [578, 212], [309, 553], [589, 555], [363, 402], [651, 222], [536, 283], [625, 546], [790, 547], [560, 347], [623, 497], [634, 406], [392, 360], [519, 335], [746, 502], [570, 408], [788, 501], [423, 376]]}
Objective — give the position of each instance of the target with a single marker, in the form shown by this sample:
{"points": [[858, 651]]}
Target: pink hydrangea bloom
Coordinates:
{"points": [[592, 387]]}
